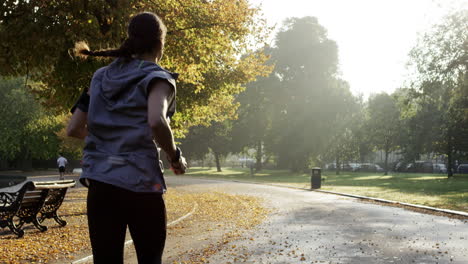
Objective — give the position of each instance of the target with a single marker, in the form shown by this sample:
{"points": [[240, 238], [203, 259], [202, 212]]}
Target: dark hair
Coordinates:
{"points": [[146, 32]]}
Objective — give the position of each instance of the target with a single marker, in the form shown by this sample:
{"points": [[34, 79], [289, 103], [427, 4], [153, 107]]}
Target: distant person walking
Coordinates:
{"points": [[129, 104], [62, 164]]}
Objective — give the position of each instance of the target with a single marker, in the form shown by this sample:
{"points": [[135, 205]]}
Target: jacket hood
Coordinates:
{"points": [[122, 74]]}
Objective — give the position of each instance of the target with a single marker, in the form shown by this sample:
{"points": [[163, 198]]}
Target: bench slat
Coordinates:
{"points": [[34, 194], [31, 200]]}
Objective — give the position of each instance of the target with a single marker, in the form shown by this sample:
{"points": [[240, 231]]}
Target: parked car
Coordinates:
{"points": [[369, 167], [330, 166], [378, 168], [344, 167], [439, 168], [462, 168], [420, 166], [354, 166], [400, 166]]}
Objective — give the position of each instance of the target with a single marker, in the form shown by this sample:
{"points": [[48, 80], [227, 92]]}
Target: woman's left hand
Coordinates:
{"points": [[179, 166]]}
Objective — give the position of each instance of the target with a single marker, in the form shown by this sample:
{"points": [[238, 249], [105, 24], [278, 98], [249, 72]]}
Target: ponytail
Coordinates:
{"points": [[82, 50]]}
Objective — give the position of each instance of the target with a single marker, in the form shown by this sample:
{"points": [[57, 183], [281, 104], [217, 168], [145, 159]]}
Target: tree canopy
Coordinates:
{"points": [[440, 87], [27, 130], [292, 112], [204, 43], [384, 124], [309, 91]]}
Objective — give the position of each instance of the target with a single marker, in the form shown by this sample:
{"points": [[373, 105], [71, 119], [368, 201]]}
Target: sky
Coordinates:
{"points": [[374, 37]]}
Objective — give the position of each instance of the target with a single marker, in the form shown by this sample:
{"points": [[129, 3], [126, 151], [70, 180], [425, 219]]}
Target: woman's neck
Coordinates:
{"points": [[148, 57]]}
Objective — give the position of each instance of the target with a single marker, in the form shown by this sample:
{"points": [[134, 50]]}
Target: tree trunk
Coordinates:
{"points": [[265, 162], [218, 164], [3, 164], [449, 154], [282, 161], [258, 165], [25, 162], [338, 165], [361, 158], [449, 160], [386, 161]]}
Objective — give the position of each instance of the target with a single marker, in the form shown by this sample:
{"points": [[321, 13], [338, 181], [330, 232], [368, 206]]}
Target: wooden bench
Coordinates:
{"points": [[32, 202]]}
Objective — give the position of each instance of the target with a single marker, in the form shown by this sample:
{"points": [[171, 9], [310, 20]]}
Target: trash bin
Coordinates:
{"points": [[316, 178]]}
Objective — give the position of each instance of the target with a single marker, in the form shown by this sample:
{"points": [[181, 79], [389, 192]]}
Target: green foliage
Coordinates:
{"points": [[300, 112], [204, 43], [14, 118], [360, 134], [304, 113], [383, 121], [27, 131], [254, 114], [70, 147], [41, 139], [384, 125], [217, 137], [440, 89], [343, 140], [194, 145], [304, 50], [441, 55], [254, 117], [308, 96]]}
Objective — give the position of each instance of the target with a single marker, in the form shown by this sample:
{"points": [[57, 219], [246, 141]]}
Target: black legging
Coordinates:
{"points": [[111, 210]]}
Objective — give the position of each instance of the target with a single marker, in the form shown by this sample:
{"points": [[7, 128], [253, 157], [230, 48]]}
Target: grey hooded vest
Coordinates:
{"points": [[119, 148]]}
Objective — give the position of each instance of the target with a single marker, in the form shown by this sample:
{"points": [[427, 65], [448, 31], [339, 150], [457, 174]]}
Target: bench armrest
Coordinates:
{"points": [[38, 185]]}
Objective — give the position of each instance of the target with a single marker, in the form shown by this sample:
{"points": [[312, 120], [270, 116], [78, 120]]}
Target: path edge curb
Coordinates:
{"points": [[441, 210]]}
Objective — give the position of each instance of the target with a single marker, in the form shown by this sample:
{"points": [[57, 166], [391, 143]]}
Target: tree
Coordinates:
{"points": [[361, 137], [194, 145], [204, 42], [440, 60], [254, 117], [27, 130], [307, 95], [216, 137], [342, 143], [418, 119], [384, 124], [70, 147]]}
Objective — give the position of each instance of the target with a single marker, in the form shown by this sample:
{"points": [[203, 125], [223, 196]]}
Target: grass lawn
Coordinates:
{"points": [[417, 188]]}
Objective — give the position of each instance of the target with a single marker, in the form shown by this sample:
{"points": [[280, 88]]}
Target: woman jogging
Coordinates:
{"points": [[127, 106]]}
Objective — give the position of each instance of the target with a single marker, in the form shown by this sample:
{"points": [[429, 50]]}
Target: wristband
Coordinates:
{"points": [[82, 103], [178, 155]]}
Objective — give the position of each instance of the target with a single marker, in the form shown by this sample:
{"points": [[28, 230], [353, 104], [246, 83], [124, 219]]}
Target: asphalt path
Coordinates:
{"points": [[313, 227]]}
